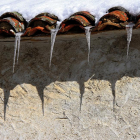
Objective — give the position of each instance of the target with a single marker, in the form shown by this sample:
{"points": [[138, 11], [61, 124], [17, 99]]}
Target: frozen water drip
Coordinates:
{"points": [[129, 29], [88, 33], [53, 36], [17, 48]]}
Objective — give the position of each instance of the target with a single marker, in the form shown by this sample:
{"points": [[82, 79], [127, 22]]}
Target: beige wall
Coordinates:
{"points": [[106, 90]]}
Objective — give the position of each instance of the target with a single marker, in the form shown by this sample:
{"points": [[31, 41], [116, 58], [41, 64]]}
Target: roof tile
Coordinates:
{"points": [[113, 20], [80, 20], [11, 23], [42, 23]]}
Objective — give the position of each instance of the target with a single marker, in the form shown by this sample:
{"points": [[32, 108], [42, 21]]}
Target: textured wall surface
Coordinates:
{"points": [[72, 100]]}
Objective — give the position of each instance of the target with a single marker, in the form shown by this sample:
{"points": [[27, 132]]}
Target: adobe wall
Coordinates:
{"points": [[72, 100]]}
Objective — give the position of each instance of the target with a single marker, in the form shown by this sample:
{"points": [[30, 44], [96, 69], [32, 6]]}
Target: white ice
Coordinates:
{"points": [[64, 8], [129, 29], [53, 36], [17, 48], [87, 31]]}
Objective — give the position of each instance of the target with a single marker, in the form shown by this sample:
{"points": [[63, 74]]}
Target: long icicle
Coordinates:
{"points": [[129, 29], [53, 36], [19, 37], [17, 48], [88, 33]]}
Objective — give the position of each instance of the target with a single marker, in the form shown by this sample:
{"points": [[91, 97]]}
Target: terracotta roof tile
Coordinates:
{"points": [[48, 15], [120, 8], [113, 20], [15, 15], [87, 15], [42, 23], [80, 20], [11, 23]]}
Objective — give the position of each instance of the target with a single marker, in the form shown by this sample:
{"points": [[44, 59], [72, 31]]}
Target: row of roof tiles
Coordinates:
{"points": [[116, 18]]}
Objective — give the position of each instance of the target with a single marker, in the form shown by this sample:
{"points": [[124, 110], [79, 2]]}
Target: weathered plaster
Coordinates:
{"points": [[71, 100]]}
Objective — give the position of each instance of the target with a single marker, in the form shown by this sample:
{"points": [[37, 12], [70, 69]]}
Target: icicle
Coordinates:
{"points": [[53, 36], [17, 48], [87, 31], [129, 28]]}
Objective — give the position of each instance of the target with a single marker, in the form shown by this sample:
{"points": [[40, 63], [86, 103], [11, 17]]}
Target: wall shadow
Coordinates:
{"points": [[69, 63]]}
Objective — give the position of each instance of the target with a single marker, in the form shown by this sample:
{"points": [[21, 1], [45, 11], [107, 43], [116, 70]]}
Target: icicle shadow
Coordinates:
{"points": [[41, 95], [6, 98], [82, 90], [113, 93]]}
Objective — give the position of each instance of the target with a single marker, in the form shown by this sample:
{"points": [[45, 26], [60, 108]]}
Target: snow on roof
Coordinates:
{"points": [[64, 8]]}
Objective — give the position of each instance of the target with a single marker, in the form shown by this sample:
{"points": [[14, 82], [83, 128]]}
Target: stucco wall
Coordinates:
{"points": [[72, 100]]}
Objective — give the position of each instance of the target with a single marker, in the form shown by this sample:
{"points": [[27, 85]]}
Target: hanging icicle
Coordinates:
{"points": [[17, 48], [53, 36], [129, 29], [88, 33]]}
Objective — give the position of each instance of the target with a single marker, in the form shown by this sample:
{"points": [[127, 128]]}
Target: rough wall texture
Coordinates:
{"points": [[72, 100]]}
